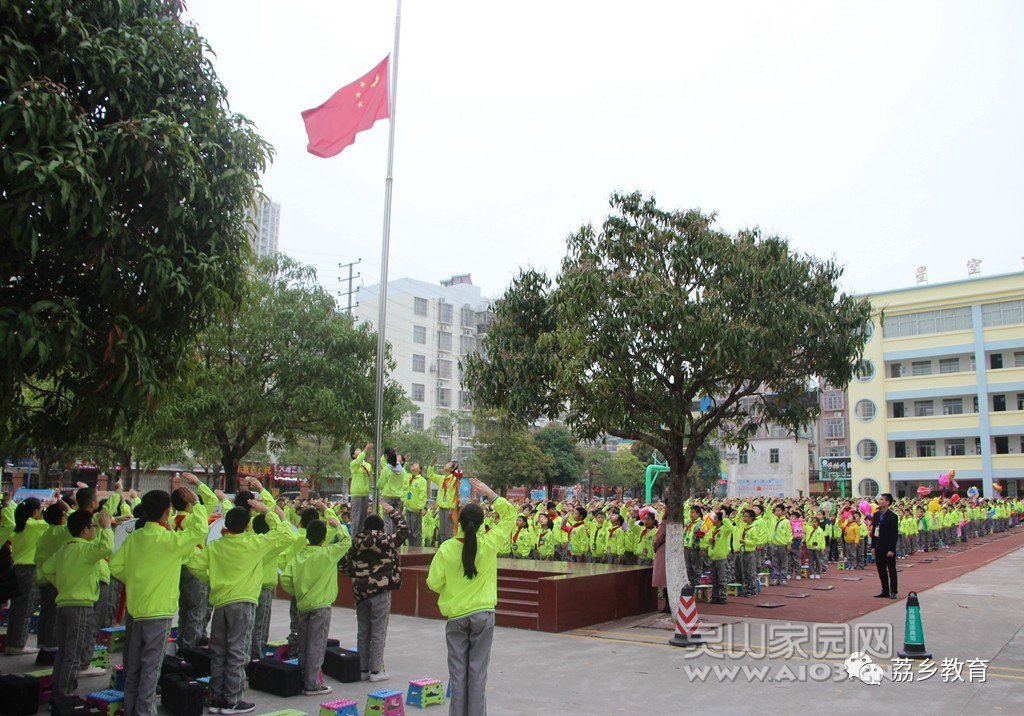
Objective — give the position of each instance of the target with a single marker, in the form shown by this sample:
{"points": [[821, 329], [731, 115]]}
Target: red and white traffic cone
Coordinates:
{"points": [[687, 620]]}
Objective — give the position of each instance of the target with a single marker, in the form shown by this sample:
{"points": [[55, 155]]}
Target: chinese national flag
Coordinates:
{"points": [[333, 125]]}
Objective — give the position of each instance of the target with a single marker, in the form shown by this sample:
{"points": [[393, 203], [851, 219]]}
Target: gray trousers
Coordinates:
{"points": [[358, 506], [193, 596], [372, 618], [389, 524], [748, 571], [47, 617], [469, 652], [694, 567], [415, 522], [75, 632], [719, 578], [815, 561], [22, 606], [111, 594], [100, 619], [314, 626], [143, 659], [779, 554], [261, 629], [851, 554], [444, 524], [230, 634]]}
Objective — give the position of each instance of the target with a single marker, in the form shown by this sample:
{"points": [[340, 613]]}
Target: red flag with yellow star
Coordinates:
{"points": [[333, 125]]}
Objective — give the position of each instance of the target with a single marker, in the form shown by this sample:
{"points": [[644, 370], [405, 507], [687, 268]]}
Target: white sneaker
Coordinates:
{"points": [[381, 675], [319, 691], [364, 675], [92, 671], [16, 651]]}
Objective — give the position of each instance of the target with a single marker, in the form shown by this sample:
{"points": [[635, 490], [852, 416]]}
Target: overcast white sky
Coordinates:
{"points": [[884, 134]]}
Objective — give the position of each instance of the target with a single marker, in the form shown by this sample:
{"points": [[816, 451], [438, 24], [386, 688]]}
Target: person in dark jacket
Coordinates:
{"points": [[885, 526], [373, 565]]}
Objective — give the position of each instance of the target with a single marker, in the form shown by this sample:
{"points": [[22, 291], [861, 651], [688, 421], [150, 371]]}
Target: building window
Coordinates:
{"points": [[743, 456], [921, 367], [467, 344], [444, 340], [468, 318], [419, 306], [445, 312], [465, 429], [419, 363], [977, 446], [1002, 445], [952, 406], [895, 370], [865, 410], [898, 409], [974, 403], [444, 369], [419, 335], [925, 322], [419, 392], [926, 448], [923, 408], [1001, 314], [998, 403], [995, 361], [868, 487], [444, 397], [835, 451], [834, 400], [899, 448], [1018, 359], [773, 456], [835, 428], [465, 402], [865, 371], [867, 449], [1020, 401], [949, 365], [417, 421], [779, 431], [955, 447]]}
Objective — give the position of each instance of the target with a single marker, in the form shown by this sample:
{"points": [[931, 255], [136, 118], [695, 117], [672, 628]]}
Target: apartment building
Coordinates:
{"points": [[942, 388], [431, 328], [265, 231]]}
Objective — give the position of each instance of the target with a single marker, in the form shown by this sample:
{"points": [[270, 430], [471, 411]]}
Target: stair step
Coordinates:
{"points": [[517, 593], [520, 581], [516, 619], [522, 605]]}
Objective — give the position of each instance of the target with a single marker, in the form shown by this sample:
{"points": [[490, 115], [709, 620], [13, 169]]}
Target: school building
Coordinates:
{"points": [[942, 388]]}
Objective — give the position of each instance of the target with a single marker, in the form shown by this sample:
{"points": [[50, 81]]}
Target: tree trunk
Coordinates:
{"points": [[675, 556]]}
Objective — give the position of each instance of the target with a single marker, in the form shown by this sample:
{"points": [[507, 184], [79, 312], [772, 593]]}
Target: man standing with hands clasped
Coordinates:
{"points": [[884, 534]]}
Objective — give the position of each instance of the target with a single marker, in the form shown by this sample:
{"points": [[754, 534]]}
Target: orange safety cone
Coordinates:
{"points": [[687, 620]]}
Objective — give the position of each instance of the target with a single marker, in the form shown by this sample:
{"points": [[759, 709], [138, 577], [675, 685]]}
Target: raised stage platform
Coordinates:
{"points": [[543, 596]]}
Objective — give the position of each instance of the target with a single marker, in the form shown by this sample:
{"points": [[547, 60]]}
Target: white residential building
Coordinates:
{"points": [[774, 464], [266, 217], [431, 328]]}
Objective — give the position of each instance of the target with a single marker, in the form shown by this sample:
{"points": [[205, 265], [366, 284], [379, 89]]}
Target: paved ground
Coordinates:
{"points": [[622, 668]]}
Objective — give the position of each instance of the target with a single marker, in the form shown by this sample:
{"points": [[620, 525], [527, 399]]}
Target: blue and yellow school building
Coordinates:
{"points": [[941, 388]]}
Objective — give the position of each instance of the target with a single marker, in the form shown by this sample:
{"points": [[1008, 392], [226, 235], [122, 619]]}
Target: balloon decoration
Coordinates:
{"points": [[946, 479], [934, 505], [865, 508], [972, 492], [955, 498], [998, 487], [924, 491]]}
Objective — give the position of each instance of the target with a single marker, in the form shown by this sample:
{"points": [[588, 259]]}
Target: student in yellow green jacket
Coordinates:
{"points": [[719, 542], [616, 539], [599, 537], [522, 539], [392, 481], [414, 501], [579, 536], [312, 578], [265, 603], [749, 535], [359, 470], [28, 529], [546, 538], [646, 529], [233, 566], [692, 534], [149, 564], [814, 539], [447, 497], [194, 595], [780, 538], [55, 537], [464, 573], [75, 571], [430, 526]]}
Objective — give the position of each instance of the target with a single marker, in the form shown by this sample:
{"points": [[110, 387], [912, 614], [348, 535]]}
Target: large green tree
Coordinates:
{"points": [[559, 444], [285, 363], [126, 183], [657, 310], [506, 454]]}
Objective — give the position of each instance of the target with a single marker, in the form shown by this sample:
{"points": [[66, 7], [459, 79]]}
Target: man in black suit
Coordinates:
{"points": [[885, 531]]}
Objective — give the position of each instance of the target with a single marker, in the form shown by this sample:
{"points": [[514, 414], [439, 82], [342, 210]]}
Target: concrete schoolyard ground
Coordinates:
{"points": [[765, 666]]}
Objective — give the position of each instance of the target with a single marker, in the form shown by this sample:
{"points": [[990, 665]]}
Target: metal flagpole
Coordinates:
{"points": [[384, 252]]}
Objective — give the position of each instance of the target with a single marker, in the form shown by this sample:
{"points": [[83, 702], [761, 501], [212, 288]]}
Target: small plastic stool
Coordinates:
{"points": [[112, 637], [385, 703], [117, 677], [45, 679], [425, 692], [100, 657], [703, 592], [205, 680], [805, 570], [341, 707], [276, 650], [841, 566], [107, 702], [733, 589]]}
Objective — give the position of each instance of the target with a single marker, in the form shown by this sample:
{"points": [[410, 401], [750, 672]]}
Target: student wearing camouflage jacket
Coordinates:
{"points": [[373, 565]]}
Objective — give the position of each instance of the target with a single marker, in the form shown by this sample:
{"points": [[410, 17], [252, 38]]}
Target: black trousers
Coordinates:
{"points": [[886, 572]]}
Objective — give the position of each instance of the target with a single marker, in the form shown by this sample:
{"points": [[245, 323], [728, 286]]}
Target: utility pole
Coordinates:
{"points": [[341, 279]]}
